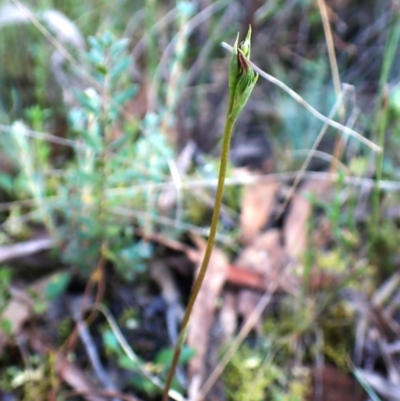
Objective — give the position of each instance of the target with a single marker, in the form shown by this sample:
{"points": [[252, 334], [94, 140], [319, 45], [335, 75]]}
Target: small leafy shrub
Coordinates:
{"points": [[101, 194]]}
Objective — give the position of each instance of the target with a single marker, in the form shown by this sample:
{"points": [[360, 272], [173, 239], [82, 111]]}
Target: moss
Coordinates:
{"points": [[33, 382], [251, 377], [243, 379]]}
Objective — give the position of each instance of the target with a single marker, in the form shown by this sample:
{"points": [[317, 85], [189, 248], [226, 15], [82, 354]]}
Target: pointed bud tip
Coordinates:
{"points": [[245, 45]]}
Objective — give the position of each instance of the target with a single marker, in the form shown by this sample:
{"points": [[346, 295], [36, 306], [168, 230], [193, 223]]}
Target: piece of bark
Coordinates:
{"points": [[228, 316], [22, 249], [264, 254], [258, 202], [203, 315], [244, 277], [69, 373], [295, 225], [247, 301]]}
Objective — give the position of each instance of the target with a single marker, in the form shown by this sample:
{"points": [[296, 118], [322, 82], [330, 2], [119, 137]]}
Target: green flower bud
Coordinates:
{"points": [[242, 78]]}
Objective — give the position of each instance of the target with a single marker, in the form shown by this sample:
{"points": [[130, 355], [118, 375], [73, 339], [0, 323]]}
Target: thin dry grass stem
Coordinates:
{"points": [[168, 124], [386, 290], [319, 154], [20, 203], [307, 106], [70, 58], [93, 356], [124, 212], [361, 182], [339, 145], [25, 248], [59, 141], [189, 26], [98, 392], [371, 382], [24, 219], [310, 155], [75, 144], [28, 169], [42, 135], [133, 23], [131, 354], [331, 52], [70, 343], [366, 183], [204, 55], [207, 200], [168, 222], [245, 330], [177, 181], [162, 23]]}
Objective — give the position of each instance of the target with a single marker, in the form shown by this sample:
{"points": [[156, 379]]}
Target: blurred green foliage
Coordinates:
{"points": [[107, 175]]}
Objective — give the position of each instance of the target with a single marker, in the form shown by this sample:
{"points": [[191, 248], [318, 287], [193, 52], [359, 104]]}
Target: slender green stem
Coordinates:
{"points": [[230, 122], [381, 130], [381, 115]]}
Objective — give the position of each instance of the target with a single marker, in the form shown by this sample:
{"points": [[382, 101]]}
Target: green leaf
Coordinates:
{"points": [[119, 143], [6, 326], [106, 39], [127, 363], [243, 91], [102, 69], [144, 385], [119, 47], [88, 102], [91, 140], [119, 67], [125, 95], [96, 56], [6, 182], [164, 357], [110, 341], [95, 43], [57, 285]]}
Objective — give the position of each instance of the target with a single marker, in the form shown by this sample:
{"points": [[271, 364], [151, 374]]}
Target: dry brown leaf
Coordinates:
{"points": [[322, 233], [22, 249], [259, 263], [68, 372], [258, 201], [77, 379], [20, 307], [228, 315], [203, 314], [330, 384], [264, 255], [244, 277], [295, 225], [247, 301]]}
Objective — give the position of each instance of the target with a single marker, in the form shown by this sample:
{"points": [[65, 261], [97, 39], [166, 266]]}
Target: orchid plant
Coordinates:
{"points": [[242, 80]]}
